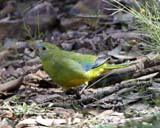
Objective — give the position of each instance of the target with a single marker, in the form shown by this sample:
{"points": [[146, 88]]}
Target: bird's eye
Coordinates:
{"points": [[43, 48]]}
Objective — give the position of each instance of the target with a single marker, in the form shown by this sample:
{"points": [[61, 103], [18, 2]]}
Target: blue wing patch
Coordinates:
{"points": [[86, 66], [97, 63]]}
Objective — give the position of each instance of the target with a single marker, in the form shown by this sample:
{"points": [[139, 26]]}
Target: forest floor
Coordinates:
{"points": [[127, 98]]}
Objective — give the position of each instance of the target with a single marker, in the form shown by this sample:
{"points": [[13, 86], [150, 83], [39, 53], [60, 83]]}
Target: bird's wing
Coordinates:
{"points": [[87, 61], [99, 61]]}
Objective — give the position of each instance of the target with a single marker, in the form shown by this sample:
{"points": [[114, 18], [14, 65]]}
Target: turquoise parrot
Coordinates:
{"points": [[70, 69]]}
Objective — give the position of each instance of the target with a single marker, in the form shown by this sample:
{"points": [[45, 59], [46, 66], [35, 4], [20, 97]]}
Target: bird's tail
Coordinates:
{"points": [[105, 68], [116, 66]]}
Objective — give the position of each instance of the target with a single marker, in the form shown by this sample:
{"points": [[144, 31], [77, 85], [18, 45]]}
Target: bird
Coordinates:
{"points": [[70, 69]]}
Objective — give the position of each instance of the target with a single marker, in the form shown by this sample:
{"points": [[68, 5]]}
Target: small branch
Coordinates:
{"points": [[104, 93], [11, 85], [147, 71]]}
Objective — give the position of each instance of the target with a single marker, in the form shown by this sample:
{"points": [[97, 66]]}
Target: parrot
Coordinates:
{"points": [[70, 69]]}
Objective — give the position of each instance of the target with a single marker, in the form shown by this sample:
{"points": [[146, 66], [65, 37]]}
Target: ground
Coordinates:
{"points": [[29, 98]]}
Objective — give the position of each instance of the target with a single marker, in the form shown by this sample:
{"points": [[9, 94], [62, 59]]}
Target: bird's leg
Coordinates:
{"points": [[82, 90]]}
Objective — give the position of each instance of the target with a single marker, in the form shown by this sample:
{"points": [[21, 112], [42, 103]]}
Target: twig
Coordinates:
{"points": [[147, 71], [104, 93], [11, 85]]}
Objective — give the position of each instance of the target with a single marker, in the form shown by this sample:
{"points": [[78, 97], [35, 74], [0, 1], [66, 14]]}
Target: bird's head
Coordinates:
{"points": [[46, 49]]}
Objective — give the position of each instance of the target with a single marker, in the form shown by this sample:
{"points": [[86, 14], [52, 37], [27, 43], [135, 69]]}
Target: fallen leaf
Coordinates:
{"points": [[59, 121], [6, 123], [45, 122]]}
